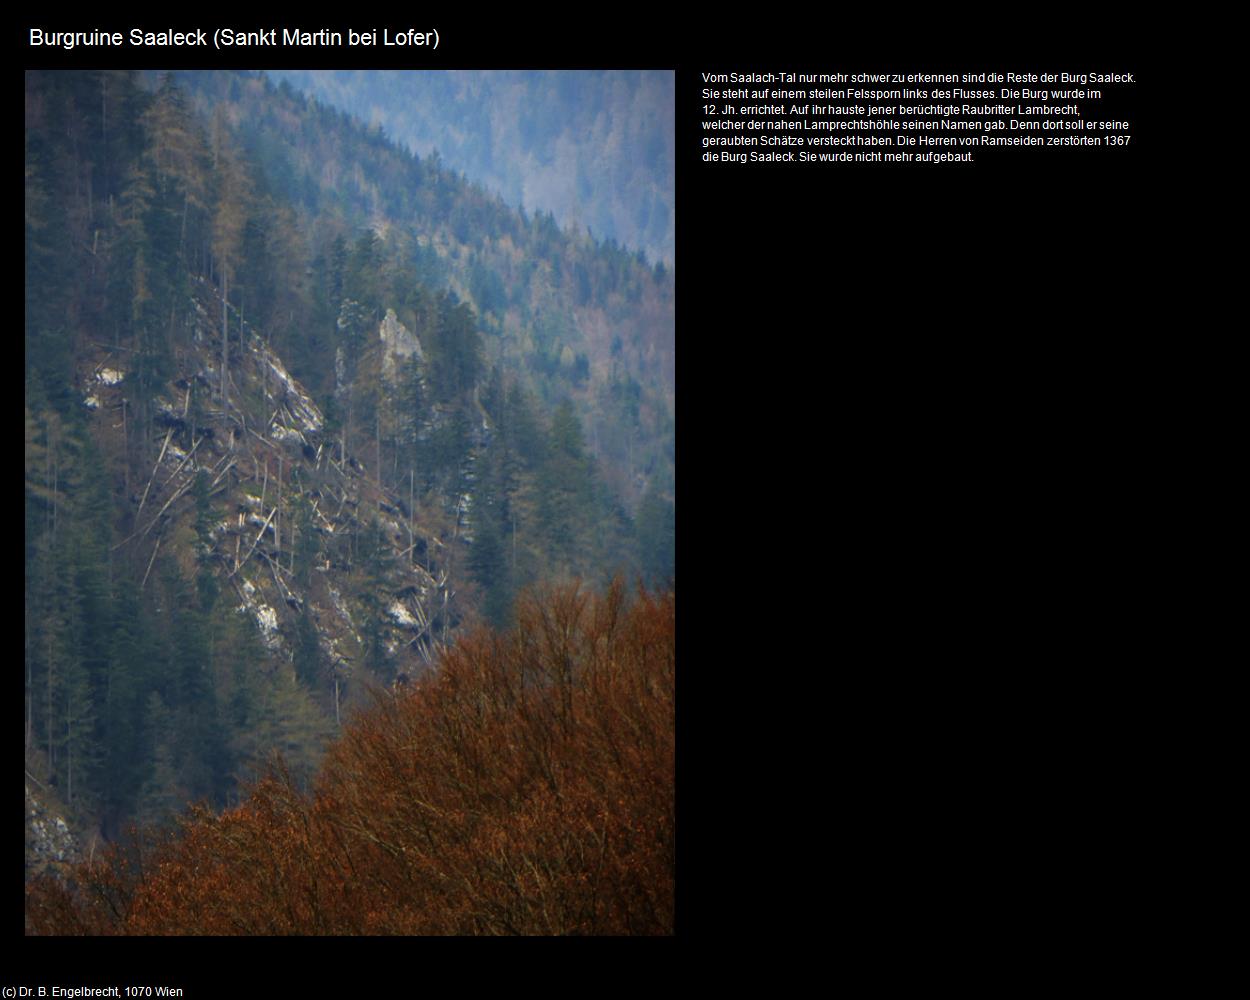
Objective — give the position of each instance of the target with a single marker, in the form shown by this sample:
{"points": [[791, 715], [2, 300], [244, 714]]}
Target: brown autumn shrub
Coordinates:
{"points": [[524, 787]]}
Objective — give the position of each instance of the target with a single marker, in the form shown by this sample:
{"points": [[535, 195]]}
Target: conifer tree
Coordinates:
{"points": [[162, 796], [656, 538], [566, 490], [125, 714], [230, 217]]}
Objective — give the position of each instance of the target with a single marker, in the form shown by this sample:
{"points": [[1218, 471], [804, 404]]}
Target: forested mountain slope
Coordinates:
{"points": [[568, 318], [298, 407]]}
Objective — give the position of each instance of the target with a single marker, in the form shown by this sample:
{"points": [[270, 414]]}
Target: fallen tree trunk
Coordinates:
{"points": [[257, 542]]}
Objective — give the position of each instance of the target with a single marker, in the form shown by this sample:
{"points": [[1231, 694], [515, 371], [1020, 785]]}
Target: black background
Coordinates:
{"points": [[908, 420]]}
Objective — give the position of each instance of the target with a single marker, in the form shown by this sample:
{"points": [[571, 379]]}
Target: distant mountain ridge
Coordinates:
{"points": [[594, 148]]}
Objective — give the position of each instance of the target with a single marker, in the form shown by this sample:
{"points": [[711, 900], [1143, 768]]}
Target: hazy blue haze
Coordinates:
{"points": [[594, 148]]}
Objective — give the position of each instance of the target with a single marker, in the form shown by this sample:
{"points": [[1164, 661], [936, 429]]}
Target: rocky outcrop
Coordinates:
{"points": [[50, 844], [398, 344]]}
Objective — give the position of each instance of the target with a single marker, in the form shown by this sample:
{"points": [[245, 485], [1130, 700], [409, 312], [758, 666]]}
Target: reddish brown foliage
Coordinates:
{"points": [[525, 787]]}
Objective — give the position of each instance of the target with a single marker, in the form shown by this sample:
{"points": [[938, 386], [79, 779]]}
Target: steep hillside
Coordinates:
{"points": [[282, 514], [299, 407]]}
